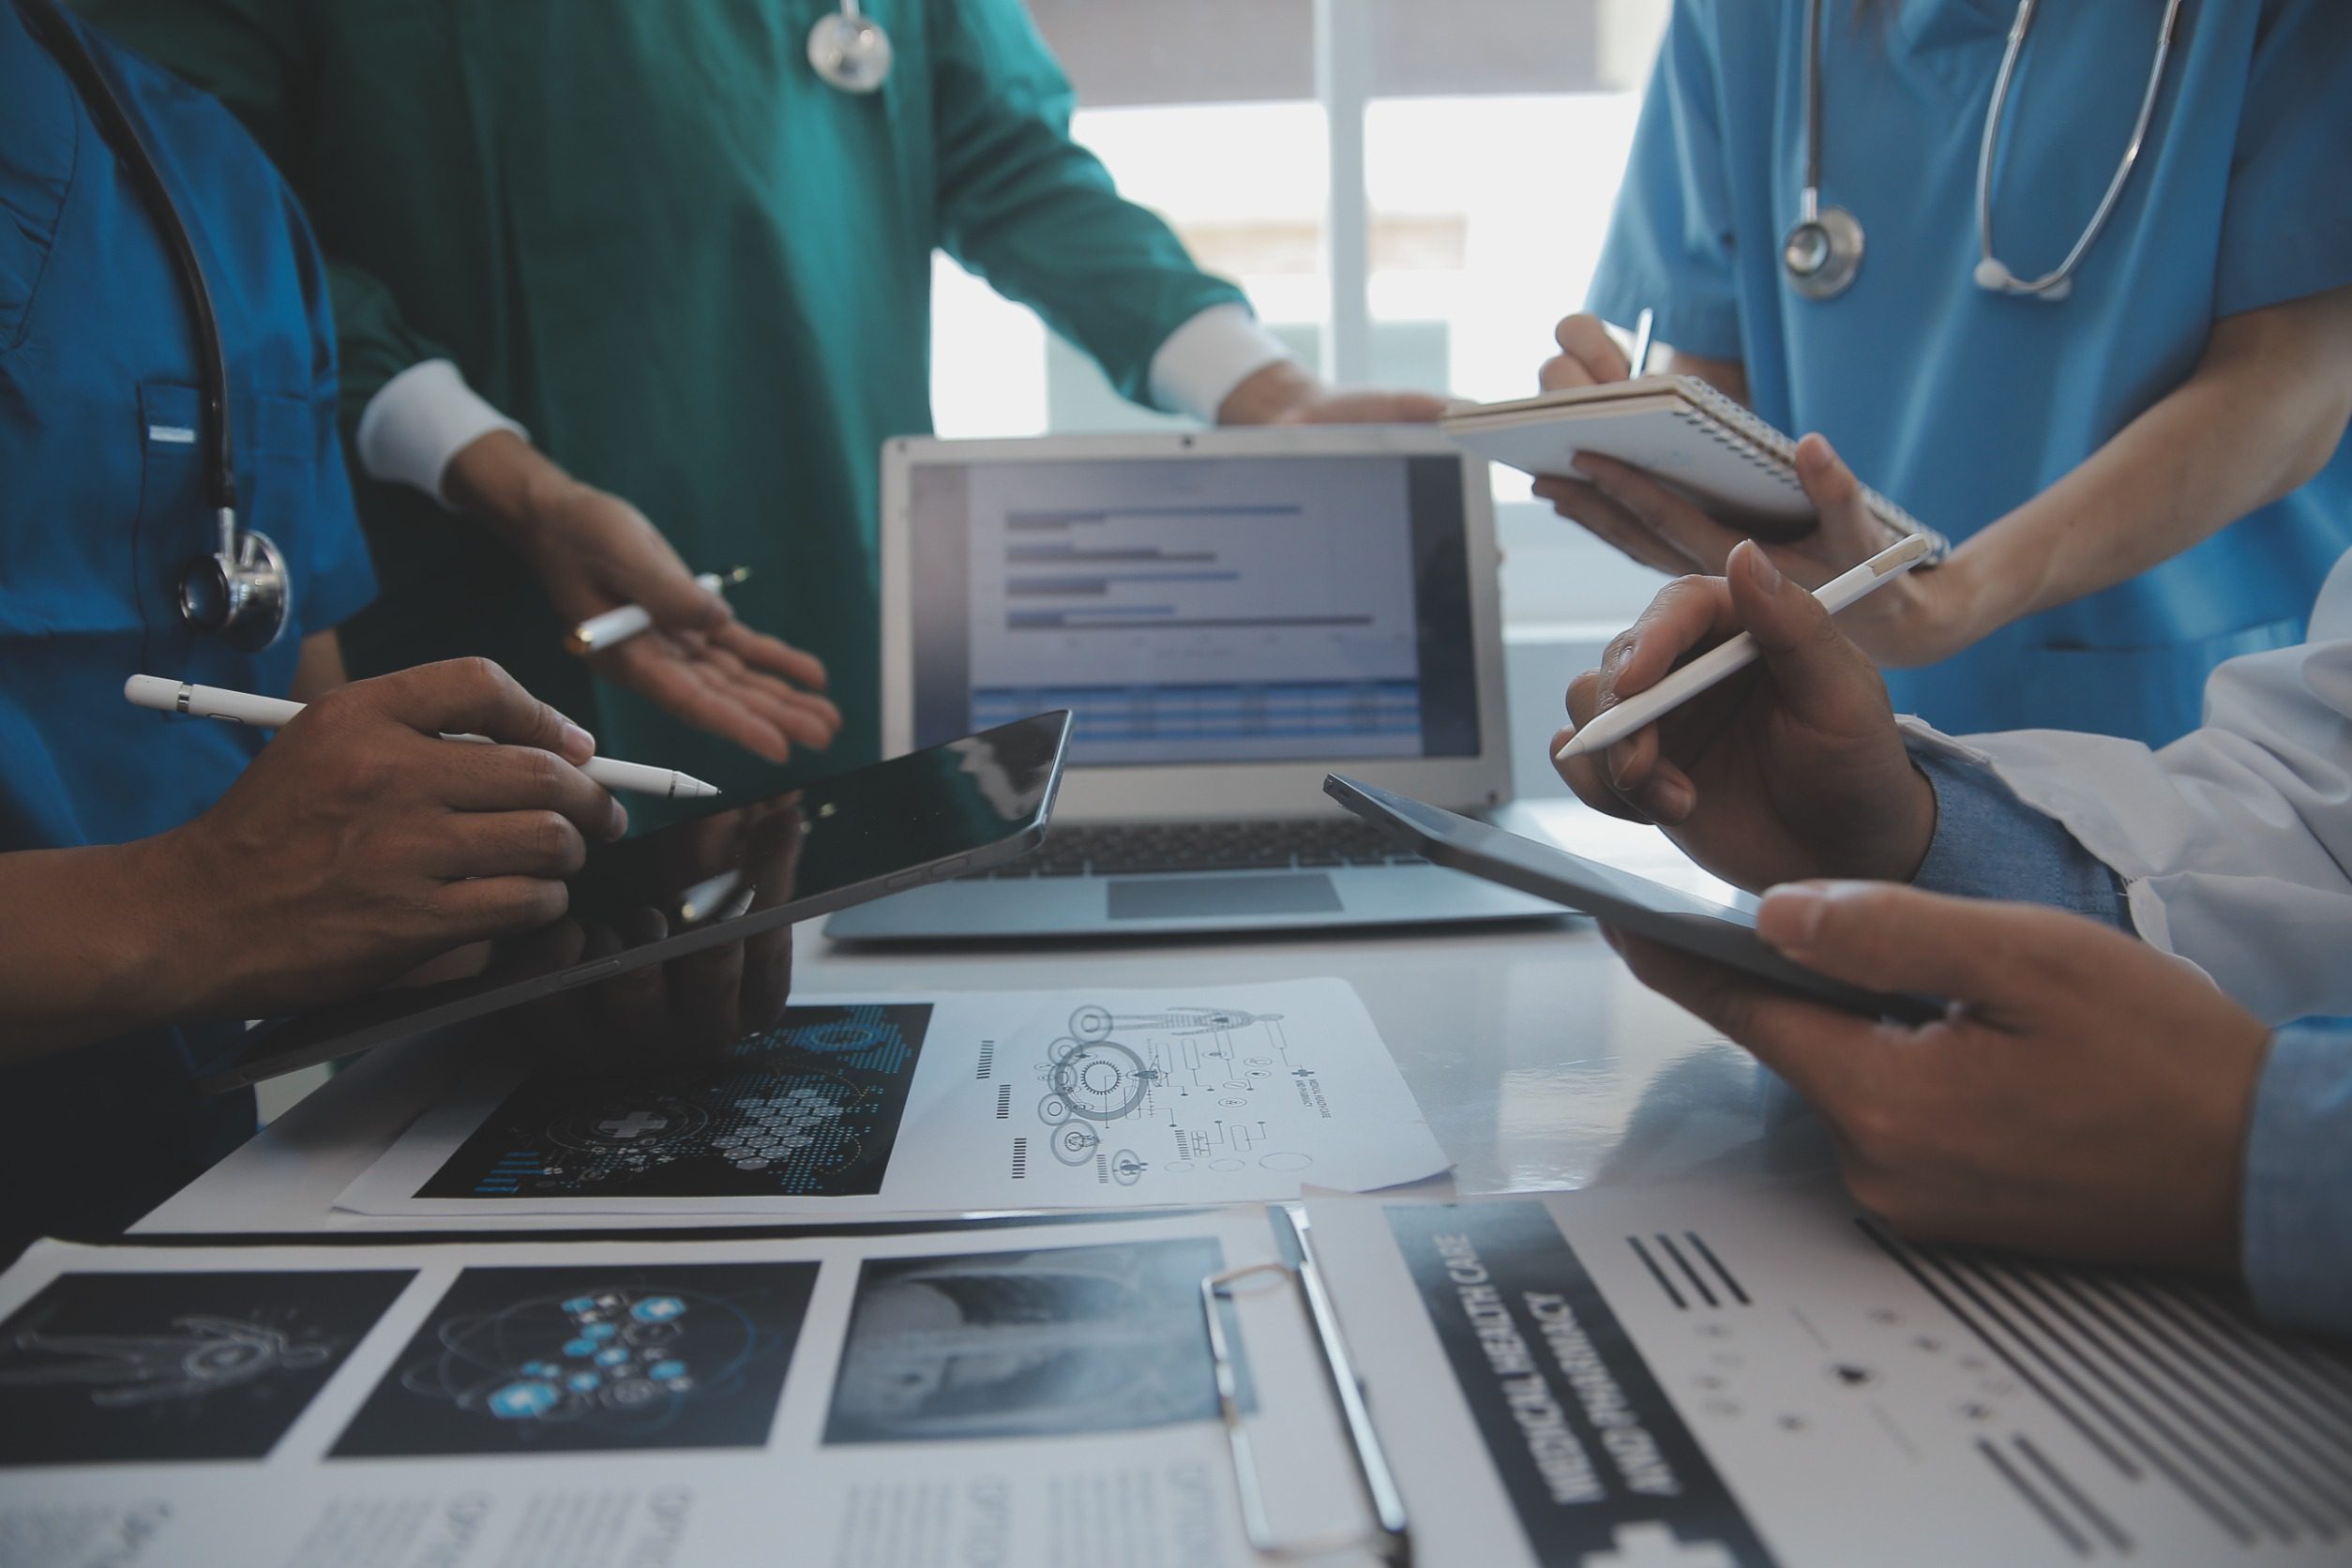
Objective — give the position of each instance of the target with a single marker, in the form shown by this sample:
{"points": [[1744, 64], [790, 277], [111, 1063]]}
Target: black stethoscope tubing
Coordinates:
{"points": [[251, 597]]}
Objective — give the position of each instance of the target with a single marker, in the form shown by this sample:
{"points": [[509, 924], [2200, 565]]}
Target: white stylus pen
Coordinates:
{"points": [[1728, 658], [600, 632], [272, 712]]}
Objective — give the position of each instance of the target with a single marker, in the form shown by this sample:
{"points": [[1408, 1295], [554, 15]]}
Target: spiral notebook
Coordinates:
{"points": [[1676, 426]]}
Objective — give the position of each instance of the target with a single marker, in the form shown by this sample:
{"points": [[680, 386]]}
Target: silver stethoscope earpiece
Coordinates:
{"points": [[1824, 252], [241, 591], [849, 50]]}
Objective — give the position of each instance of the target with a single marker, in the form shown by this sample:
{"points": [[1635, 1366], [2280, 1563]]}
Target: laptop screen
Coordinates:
{"points": [[1198, 610]]}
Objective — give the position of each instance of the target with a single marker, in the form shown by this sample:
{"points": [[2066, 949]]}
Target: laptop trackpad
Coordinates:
{"points": [[1192, 897]]}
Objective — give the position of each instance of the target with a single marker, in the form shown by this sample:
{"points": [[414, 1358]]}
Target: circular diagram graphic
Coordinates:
{"points": [[1075, 1142], [1102, 1080], [1091, 1023], [652, 1124], [626, 1356], [836, 1037], [1284, 1160], [1126, 1168]]}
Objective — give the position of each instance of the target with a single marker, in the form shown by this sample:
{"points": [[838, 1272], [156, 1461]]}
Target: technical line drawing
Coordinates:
{"points": [[1191, 1080]]}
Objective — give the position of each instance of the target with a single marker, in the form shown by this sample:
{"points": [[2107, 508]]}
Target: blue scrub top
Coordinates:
{"points": [[99, 509], [1963, 404]]}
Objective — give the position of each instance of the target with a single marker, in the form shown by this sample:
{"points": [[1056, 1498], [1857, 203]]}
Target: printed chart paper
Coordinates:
{"points": [[985, 1101], [1750, 1373], [1038, 1395]]}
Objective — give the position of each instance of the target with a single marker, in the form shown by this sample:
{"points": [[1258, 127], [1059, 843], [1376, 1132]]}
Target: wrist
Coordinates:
{"points": [[1268, 393], [1923, 814], [92, 946], [511, 486], [1960, 612], [176, 955]]}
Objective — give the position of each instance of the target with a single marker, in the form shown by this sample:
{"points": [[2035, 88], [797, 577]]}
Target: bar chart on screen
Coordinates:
{"points": [[1199, 611]]}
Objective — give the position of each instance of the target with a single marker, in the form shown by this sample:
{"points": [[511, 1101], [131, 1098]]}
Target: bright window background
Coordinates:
{"points": [[1493, 147]]}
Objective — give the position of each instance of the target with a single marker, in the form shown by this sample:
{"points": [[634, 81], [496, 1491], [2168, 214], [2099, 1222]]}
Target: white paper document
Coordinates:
{"points": [[1751, 1373], [975, 1102], [995, 1396]]}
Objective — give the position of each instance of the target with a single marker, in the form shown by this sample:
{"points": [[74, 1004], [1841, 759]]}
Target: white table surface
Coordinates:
{"points": [[1537, 1059]]}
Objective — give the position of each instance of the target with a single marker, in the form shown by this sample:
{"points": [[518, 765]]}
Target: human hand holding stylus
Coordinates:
{"points": [[1722, 662], [273, 712], [1791, 767]]}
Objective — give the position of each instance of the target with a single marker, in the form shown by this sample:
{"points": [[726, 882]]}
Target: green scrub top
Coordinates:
{"points": [[700, 276]]}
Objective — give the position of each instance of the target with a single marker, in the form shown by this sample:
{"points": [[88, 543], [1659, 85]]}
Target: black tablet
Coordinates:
{"points": [[1709, 931], [732, 874]]}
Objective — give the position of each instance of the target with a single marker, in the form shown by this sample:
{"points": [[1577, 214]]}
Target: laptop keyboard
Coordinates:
{"points": [[1127, 849]]}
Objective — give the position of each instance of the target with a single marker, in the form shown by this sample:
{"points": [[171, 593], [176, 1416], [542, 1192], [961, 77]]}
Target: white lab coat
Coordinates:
{"points": [[2235, 843]]}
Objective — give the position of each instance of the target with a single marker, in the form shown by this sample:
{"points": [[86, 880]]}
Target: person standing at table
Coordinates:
{"points": [[688, 246], [167, 365], [2120, 381]]}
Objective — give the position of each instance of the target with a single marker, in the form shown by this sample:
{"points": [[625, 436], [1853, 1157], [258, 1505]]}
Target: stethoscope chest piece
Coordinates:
{"points": [[1822, 253], [242, 593], [849, 50]]}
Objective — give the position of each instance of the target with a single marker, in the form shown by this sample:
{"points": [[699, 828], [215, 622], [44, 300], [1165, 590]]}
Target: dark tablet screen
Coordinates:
{"points": [[1644, 908], [727, 875]]}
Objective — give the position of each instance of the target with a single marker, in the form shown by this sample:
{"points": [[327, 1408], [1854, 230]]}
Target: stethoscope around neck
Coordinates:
{"points": [[1824, 250], [240, 590]]}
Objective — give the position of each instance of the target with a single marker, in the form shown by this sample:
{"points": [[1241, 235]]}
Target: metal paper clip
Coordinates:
{"points": [[1389, 1537]]}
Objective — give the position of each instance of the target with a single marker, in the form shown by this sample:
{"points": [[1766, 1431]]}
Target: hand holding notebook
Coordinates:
{"points": [[1676, 427]]}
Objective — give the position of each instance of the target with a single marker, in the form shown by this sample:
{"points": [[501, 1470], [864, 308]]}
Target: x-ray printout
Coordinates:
{"points": [[1000, 1395], [980, 1101], [1749, 1373]]}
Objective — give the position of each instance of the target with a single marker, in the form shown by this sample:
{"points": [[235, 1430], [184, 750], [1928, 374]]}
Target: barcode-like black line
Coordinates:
{"points": [[2057, 1478], [2329, 1363], [2138, 1438], [1717, 1264], [1665, 1243], [2073, 1418], [1003, 1102], [988, 1060], [2059, 1523], [2260, 1350], [2181, 1372], [1657, 1273], [2211, 1446], [2240, 1382], [1021, 1158]]}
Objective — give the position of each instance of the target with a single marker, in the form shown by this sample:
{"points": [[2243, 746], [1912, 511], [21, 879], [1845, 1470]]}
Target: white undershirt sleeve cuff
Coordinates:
{"points": [[1200, 363], [420, 420]]}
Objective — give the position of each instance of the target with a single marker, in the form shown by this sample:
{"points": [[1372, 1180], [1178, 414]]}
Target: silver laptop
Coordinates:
{"points": [[1229, 615]]}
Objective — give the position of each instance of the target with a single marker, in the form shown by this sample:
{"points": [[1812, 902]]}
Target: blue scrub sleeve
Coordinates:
{"points": [[342, 581], [2286, 232], [1036, 214], [1669, 247]]}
